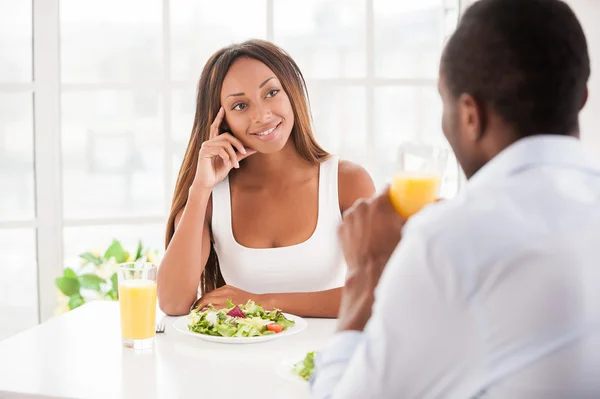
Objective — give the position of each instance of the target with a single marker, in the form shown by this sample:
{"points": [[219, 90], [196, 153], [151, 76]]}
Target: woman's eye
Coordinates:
{"points": [[239, 107], [272, 93]]}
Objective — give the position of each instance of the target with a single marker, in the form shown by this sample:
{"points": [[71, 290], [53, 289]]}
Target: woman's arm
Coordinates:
{"points": [[181, 268], [306, 304], [184, 261], [354, 183]]}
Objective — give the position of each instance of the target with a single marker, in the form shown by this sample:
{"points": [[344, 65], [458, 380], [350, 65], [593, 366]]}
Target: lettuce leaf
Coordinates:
{"points": [[236, 312], [306, 367]]}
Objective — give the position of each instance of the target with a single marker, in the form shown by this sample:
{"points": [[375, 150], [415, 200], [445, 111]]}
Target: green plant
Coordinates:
{"points": [[96, 277]]}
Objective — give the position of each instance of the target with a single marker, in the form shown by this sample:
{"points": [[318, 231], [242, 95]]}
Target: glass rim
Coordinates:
{"points": [[137, 266]]}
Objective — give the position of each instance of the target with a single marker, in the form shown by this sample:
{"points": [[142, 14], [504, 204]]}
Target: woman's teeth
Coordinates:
{"points": [[266, 131]]}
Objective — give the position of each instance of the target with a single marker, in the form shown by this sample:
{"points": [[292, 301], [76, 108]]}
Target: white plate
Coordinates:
{"points": [[181, 325]]}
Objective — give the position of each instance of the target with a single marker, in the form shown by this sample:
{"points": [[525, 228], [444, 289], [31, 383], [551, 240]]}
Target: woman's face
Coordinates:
{"points": [[257, 109]]}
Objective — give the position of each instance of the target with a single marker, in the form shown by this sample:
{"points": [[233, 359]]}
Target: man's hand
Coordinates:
{"points": [[369, 233]]}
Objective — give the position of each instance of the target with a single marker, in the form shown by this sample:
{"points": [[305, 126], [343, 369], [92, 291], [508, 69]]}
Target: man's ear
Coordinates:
{"points": [[472, 116], [585, 98]]}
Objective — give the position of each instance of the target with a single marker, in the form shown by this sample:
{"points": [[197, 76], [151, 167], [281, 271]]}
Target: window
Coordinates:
{"points": [[18, 268], [90, 148]]}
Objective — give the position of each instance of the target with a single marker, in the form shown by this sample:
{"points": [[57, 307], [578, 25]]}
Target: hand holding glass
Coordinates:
{"points": [[418, 177]]}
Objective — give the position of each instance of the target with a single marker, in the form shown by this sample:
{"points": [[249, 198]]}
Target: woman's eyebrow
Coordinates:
{"points": [[265, 82]]}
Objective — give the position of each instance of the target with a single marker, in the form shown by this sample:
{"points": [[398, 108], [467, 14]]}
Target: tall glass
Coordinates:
{"points": [[418, 176], [137, 300]]}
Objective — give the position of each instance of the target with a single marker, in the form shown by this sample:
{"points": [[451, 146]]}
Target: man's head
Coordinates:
{"points": [[513, 68]]}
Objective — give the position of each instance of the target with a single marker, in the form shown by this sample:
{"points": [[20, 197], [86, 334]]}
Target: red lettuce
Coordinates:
{"points": [[236, 312]]}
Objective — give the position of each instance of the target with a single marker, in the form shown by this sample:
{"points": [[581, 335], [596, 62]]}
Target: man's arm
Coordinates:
{"points": [[418, 342]]}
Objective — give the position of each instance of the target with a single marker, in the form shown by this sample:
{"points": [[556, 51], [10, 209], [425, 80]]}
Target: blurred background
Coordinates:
{"points": [[97, 101]]}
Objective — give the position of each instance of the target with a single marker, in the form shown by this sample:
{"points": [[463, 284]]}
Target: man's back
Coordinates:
{"points": [[518, 257], [554, 347], [494, 294]]}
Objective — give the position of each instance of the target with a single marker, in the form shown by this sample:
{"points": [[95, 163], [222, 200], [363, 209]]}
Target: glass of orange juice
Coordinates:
{"points": [[418, 177], [137, 300]]}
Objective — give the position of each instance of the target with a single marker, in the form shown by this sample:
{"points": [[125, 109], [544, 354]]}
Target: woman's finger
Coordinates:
{"points": [[201, 303], [211, 151], [225, 157], [217, 303], [232, 155], [214, 127], [234, 142], [249, 152]]}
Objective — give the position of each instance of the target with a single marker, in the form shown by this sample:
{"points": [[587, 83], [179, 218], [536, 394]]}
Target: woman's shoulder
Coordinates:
{"points": [[354, 182]]}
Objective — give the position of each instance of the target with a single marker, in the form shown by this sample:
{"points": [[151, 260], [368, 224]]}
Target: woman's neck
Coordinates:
{"points": [[277, 167]]}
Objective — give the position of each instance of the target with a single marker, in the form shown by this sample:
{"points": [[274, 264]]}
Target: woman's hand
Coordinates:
{"points": [[218, 298], [217, 156]]}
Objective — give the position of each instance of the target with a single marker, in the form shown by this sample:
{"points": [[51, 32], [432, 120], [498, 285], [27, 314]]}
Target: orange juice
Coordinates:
{"points": [[137, 299], [411, 192]]}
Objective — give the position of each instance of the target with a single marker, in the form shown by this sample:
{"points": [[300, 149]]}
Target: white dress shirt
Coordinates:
{"points": [[493, 294]]}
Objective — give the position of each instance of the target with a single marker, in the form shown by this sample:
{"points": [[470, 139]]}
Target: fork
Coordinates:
{"points": [[160, 328]]}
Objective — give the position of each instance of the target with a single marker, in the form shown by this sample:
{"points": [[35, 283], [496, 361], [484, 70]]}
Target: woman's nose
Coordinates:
{"points": [[262, 114]]}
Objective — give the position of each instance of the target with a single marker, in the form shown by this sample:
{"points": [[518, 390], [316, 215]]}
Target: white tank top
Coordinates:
{"points": [[316, 264]]}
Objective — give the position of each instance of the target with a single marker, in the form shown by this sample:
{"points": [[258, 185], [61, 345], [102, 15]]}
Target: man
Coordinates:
{"points": [[495, 293]]}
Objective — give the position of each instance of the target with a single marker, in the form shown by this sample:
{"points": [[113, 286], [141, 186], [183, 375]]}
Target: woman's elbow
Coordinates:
{"points": [[170, 304], [173, 308]]}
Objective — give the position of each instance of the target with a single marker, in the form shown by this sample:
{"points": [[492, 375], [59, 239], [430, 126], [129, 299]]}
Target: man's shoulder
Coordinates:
{"points": [[467, 230], [445, 219]]}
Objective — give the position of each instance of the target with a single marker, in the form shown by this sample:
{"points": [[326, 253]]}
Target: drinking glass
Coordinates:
{"points": [[137, 301], [417, 178]]}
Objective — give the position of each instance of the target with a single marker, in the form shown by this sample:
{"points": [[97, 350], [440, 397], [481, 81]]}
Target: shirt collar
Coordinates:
{"points": [[535, 150]]}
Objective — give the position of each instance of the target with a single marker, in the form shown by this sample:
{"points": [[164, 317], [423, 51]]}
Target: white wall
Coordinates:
{"points": [[588, 12]]}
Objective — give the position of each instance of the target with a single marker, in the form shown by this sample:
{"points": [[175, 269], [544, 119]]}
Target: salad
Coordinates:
{"points": [[249, 320], [305, 368]]}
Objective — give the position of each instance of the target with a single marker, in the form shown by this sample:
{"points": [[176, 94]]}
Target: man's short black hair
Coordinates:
{"points": [[527, 59]]}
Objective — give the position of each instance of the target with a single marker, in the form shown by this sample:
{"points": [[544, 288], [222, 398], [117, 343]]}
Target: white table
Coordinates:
{"points": [[79, 355]]}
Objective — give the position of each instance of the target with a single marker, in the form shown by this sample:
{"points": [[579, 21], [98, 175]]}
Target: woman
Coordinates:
{"points": [[257, 202]]}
